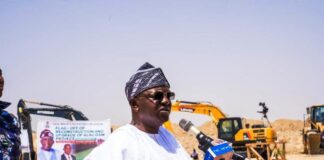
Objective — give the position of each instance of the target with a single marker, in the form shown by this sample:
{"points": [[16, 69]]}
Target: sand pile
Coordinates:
{"points": [[291, 132]]}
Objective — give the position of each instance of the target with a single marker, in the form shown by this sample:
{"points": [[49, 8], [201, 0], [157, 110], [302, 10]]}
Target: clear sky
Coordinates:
{"points": [[231, 53]]}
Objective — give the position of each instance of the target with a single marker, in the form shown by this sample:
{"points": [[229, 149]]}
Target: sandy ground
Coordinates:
{"points": [[304, 157]]}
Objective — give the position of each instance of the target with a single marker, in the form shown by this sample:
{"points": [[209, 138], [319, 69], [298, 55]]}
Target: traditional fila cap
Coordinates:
{"points": [[46, 133], [146, 77]]}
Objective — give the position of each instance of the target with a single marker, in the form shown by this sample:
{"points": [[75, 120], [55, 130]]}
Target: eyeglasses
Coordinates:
{"points": [[159, 96]]}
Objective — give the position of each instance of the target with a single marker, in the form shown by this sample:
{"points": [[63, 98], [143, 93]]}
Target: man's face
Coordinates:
{"points": [[154, 106], [1, 84], [67, 149], [47, 143]]}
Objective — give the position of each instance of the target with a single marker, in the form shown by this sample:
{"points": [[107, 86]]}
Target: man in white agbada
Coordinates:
{"points": [[46, 151], [148, 93]]}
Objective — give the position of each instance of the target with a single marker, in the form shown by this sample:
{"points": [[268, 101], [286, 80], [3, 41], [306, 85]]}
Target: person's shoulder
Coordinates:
{"points": [[123, 134], [120, 140], [125, 127], [126, 130]]}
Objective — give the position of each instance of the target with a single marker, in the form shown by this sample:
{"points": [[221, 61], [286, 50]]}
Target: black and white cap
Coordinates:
{"points": [[146, 77]]}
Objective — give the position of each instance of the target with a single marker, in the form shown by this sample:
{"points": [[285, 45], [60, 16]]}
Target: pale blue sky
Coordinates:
{"points": [[232, 53]]}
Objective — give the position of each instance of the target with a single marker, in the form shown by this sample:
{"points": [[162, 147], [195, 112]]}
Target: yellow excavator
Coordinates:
{"points": [[313, 132], [231, 129]]}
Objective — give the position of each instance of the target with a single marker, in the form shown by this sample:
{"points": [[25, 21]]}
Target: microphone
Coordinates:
{"points": [[211, 148]]}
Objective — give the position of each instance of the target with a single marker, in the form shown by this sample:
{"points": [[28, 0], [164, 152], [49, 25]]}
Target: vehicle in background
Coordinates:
{"points": [[313, 132]]}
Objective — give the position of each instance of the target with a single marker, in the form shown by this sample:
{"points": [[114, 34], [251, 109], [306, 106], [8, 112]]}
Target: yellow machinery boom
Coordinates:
{"points": [[204, 108]]}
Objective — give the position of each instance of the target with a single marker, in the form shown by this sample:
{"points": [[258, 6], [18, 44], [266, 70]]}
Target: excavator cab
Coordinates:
{"points": [[316, 115], [228, 128]]}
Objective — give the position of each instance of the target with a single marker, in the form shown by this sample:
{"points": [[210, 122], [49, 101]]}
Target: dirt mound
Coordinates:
{"points": [[287, 124], [291, 132]]}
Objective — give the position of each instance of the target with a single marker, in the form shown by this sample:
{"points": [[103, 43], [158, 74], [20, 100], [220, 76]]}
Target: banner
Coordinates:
{"points": [[69, 140]]}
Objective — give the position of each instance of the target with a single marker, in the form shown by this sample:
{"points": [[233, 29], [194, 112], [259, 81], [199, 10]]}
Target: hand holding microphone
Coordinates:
{"points": [[214, 150]]}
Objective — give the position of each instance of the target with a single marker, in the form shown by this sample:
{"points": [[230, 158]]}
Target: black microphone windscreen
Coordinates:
{"points": [[185, 125]]}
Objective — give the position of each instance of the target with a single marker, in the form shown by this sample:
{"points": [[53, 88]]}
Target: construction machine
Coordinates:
{"points": [[232, 129], [313, 132], [24, 120]]}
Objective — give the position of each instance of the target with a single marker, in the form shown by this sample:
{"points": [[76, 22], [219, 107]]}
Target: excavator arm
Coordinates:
{"points": [[204, 108], [24, 118]]}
